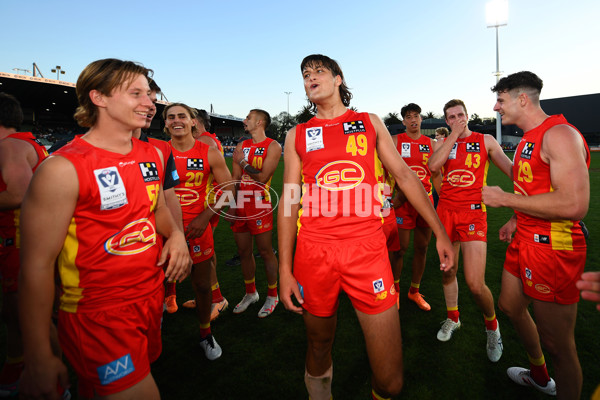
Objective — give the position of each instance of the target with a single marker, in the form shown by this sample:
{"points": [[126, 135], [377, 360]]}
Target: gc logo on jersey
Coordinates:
{"points": [[186, 196], [420, 171], [527, 150], [354, 127], [149, 171], [195, 164], [473, 147], [461, 178], [136, 237], [424, 148], [340, 175]]}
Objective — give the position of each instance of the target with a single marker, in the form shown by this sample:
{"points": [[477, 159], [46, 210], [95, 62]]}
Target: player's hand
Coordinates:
{"points": [[492, 196], [40, 379], [458, 126], [176, 251], [445, 251], [238, 155], [508, 229], [288, 287], [590, 287], [197, 226]]}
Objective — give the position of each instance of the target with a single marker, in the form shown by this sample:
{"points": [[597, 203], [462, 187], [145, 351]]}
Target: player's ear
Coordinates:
{"points": [[97, 98]]}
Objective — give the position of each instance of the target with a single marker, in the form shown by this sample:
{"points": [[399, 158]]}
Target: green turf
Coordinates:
{"points": [[264, 358]]}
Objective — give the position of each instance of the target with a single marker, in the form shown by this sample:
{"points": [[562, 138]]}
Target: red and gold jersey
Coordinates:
{"points": [[465, 173], [415, 154], [341, 176], [255, 154], [531, 176], [195, 180], [110, 253], [217, 141], [9, 219]]}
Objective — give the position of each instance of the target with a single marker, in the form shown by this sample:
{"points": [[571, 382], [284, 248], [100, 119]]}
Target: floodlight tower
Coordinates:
{"points": [[496, 16]]}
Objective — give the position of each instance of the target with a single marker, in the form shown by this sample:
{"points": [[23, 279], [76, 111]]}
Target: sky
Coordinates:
{"points": [[239, 54]]}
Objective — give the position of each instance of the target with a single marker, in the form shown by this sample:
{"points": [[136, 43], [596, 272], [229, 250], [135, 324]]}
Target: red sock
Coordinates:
{"points": [[453, 314], [170, 289], [217, 296], [205, 330], [272, 291], [538, 371], [491, 324], [397, 286], [413, 289], [250, 286]]}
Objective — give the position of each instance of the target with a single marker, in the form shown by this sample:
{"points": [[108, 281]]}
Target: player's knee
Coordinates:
{"points": [[391, 387], [320, 349], [421, 249]]}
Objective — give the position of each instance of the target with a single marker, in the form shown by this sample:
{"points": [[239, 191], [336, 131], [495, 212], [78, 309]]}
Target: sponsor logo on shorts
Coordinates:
{"points": [[543, 289], [399, 220], [472, 227], [393, 289], [136, 237], [207, 252], [267, 225], [473, 147], [476, 206], [115, 370], [461, 178], [378, 286], [541, 238], [258, 222], [196, 249], [354, 127], [149, 171], [480, 233], [529, 283], [381, 296], [527, 150], [420, 170], [527, 273], [301, 288]]}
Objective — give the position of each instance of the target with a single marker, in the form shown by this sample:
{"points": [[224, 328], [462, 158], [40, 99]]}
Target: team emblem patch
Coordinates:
{"points": [[541, 238], [473, 147], [354, 127], [527, 150], [472, 227], [528, 273], [452, 155], [112, 190], [405, 153], [314, 139], [196, 249], [195, 164], [424, 148], [378, 286]]}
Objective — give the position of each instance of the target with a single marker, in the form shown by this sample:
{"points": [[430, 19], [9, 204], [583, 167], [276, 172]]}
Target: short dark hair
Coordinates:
{"points": [[204, 118], [264, 115], [11, 114], [408, 108], [454, 103], [524, 81], [154, 86], [318, 60]]}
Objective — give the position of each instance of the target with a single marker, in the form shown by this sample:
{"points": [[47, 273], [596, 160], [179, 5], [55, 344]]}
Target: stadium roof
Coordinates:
{"points": [[52, 103]]}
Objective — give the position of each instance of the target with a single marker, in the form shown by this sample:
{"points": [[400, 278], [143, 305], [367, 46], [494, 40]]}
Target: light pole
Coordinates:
{"points": [[21, 69], [58, 71], [496, 16], [288, 102]]}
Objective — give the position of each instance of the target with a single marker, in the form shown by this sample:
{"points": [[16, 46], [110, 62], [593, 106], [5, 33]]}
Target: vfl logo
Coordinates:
{"points": [[115, 370], [186, 196], [354, 127], [109, 178], [378, 286], [340, 175], [246, 151], [136, 237], [472, 227], [527, 150], [420, 170], [314, 132], [461, 178], [528, 273], [149, 171], [195, 164]]}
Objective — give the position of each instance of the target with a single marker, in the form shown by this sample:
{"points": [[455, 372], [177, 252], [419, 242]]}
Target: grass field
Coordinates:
{"points": [[264, 358]]}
